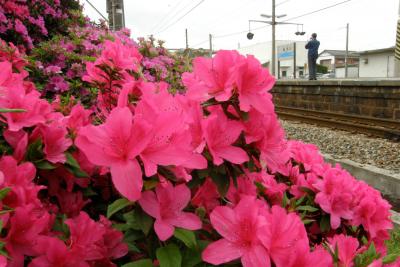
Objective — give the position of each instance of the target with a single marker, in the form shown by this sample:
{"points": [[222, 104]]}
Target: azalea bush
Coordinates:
{"points": [[58, 65], [149, 174], [26, 23]]}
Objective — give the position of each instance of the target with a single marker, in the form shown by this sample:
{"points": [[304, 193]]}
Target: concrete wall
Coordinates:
{"points": [[378, 65], [380, 99], [352, 72]]}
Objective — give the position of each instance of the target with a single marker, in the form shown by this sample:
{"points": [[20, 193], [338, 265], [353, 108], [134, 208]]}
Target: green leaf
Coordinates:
{"points": [[299, 201], [325, 224], [390, 258], [169, 256], [11, 110], [34, 151], [150, 184], [4, 192], [139, 263], [285, 200], [139, 220], [192, 257], [130, 238], [307, 190], [366, 258], [73, 166], [186, 237], [88, 192], [308, 221], [77, 172], [71, 160], [221, 181], [117, 205], [306, 208], [44, 165]]}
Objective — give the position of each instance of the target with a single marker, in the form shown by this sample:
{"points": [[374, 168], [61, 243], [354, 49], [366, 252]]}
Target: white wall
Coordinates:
{"points": [[262, 51], [352, 72], [379, 65]]}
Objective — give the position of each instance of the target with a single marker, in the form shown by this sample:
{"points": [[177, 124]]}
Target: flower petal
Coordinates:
{"points": [[187, 221], [223, 220], [163, 229], [256, 257], [127, 179], [149, 204], [221, 251]]}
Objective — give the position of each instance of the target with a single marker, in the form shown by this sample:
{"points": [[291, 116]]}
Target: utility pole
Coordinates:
{"points": [[211, 49], [273, 23], [294, 60], [187, 40], [116, 14], [397, 48], [273, 39], [346, 58]]}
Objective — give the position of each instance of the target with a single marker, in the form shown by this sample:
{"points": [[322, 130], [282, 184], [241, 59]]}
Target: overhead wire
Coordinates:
{"points": [[281, 3], [162, 20], [300, 16], [200, 43], [94, 7], [318, 10], [181, 17]]}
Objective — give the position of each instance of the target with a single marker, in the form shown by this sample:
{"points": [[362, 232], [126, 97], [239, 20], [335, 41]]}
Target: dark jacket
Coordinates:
{"points": [[312, 47]]}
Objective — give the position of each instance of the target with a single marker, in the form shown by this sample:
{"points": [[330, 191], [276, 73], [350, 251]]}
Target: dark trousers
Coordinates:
{"points": [[312, 67]]}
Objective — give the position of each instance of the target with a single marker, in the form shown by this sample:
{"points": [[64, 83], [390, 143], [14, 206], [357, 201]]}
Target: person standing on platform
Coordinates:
{"points": [[312, 47]]}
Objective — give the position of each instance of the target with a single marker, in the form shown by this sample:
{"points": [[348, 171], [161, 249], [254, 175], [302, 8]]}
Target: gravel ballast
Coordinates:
{"points": [[339, 144]]}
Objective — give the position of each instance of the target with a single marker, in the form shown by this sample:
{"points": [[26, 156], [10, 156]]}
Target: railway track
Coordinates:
{"points": [[389, 129]]}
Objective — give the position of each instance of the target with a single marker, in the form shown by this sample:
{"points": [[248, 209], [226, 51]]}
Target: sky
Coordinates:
{"points": [[372, 23]]}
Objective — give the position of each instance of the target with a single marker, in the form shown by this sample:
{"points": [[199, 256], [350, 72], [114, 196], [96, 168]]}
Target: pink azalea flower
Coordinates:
{"points": [[78, 118], [116, 144], [240, 231], [53, 252], [207, 196], [85, 237], [308, 155], [20, 179], [3, 261], [54, 137], [302, 257], [19, 142], [273, 189], [26, 225], [253, 83], [15, 97], [220, 133], [274, 153], [335, 195], [120, 56], [212, 77], [71, 203], [282, 232], [166, 207], [171, 142], [94, 74], [245, 188], [113, 245], [372, 211], [347, 248]]}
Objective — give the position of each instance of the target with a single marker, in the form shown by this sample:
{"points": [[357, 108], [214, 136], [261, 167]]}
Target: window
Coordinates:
{"points": [[284, 73]]}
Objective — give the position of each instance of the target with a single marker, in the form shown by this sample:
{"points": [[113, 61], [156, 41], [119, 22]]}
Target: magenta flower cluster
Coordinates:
{"points": [[28, 22], [208, 172]]}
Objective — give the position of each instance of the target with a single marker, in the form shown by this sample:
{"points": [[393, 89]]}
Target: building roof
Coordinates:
{"points": [[377, 51], [340, 53]]}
